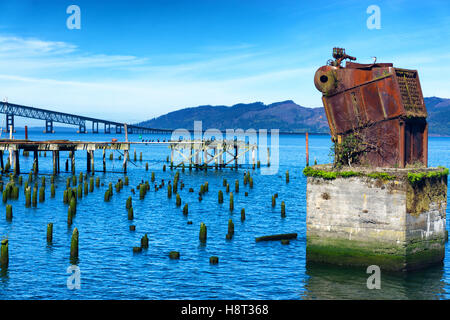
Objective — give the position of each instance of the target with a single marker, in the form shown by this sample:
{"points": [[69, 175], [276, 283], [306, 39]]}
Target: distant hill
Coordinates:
{"points": [[286, 116]]}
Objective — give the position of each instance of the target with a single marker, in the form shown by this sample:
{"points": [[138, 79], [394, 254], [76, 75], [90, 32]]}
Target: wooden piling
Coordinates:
{"points": [[220, 196], [50, 233], [283, 209], [9, 214], [74, 244], [242, 214], [231, 201], [4, 254], [144, 241], [230, 227], [203, 232]]}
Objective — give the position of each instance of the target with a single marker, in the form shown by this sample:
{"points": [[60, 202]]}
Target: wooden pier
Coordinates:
{"points": [[211, 153], [202, 153], [56, 146]]}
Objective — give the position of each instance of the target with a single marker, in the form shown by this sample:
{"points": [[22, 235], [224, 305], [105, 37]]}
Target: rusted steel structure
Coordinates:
{"points": [[381, 103]]}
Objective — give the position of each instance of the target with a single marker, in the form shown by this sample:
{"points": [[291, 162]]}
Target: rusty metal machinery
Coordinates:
{"points": [[381, 103]]}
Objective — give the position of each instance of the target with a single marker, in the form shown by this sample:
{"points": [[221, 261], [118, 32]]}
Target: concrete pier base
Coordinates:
{"points": [[393, 218]]}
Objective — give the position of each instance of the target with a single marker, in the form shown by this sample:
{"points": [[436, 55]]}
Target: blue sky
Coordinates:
{"points": [[133, 60]]}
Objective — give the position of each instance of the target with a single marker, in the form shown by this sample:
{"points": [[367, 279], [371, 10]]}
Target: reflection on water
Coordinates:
{"points": [[326, 281]]}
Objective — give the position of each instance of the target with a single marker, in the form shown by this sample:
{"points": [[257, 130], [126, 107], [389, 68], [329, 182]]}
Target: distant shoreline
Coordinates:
{"points": [[74, 129]]}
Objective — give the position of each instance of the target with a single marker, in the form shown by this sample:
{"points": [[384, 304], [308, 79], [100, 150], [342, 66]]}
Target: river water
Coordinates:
{"points": [[246, 269]]}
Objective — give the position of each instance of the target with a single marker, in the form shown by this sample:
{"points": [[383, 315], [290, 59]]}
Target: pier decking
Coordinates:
{"points": [[202, 153]]}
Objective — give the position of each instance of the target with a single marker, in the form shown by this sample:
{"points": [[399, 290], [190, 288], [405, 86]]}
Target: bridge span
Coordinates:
{"points": [[12, 110]]}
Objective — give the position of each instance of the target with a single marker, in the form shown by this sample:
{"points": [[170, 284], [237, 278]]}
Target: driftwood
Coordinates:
{"points": [[285, 236]]}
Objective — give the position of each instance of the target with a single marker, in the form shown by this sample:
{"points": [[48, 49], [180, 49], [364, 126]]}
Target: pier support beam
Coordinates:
{"points": [[16, 162], [72, 159], [107, 128], [55, 165], [82, 128], [9, 123], [35, 161], [88, 161], [94, 127], [104, 160]]}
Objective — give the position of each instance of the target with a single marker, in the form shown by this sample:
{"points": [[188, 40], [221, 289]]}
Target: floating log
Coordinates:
{"points": [[277, 237]]}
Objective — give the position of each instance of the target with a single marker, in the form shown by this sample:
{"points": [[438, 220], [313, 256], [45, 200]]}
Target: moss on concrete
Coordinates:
{"points": [[422, 193], [401, 257]]}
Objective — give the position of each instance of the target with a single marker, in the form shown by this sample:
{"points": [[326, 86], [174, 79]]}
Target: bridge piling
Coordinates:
{"points": [[9, 122], [49, 126]]}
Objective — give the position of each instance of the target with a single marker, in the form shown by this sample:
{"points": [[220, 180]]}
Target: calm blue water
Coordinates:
{"points": [[247, 270]]}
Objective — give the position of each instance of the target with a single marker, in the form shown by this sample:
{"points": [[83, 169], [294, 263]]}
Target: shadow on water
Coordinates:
{"points": [[336, 282]]}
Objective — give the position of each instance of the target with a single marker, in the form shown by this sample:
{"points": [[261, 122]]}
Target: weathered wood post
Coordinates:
{"points": [[203, 233], [92, 161], [50, 233], [88, 161], [74, 244], [4, 254], [36, 162], [72, 158], [104, 160], [16, 162], [55, 167]]}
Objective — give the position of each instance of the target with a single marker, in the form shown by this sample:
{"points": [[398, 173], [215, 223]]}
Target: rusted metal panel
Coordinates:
{"points": [[383, 102]]}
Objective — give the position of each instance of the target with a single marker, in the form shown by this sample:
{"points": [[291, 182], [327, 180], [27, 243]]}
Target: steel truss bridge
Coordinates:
{"points": [[12, 110]]}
